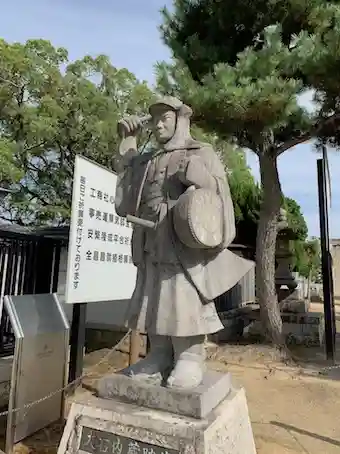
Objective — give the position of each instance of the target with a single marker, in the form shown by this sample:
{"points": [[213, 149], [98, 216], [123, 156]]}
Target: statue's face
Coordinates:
{"points": [[163, 123]]}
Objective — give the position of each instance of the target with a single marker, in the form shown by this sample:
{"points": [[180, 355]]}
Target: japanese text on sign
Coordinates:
{"points": [[99, 442], [100, 241]]}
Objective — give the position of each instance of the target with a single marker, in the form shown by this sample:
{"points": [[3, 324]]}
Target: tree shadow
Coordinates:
{"points": [[290, 428]]}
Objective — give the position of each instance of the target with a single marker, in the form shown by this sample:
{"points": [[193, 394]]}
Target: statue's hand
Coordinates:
{"points": [[129, 126]]}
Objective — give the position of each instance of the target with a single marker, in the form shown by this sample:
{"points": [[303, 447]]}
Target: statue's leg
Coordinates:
{"points": [[157, 362], [189, 356]]}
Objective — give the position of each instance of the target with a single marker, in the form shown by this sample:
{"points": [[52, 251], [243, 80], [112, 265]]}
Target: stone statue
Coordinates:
{"points": [[173, 300]]}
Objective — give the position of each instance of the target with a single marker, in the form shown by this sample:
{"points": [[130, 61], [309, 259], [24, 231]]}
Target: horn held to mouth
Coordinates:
{"points": [[144, 121]]}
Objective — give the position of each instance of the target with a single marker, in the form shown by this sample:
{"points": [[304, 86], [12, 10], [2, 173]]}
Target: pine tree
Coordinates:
{"points": [[242, 67]]}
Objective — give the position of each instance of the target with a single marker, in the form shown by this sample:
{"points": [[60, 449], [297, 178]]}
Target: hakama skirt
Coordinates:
{"points": [[164, 302]]}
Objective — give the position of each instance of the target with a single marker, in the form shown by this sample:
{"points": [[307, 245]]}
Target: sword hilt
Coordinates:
{"points": [[141, 222]]}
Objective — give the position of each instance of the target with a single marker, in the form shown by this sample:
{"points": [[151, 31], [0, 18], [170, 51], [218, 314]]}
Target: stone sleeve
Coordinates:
{"points": [[197, 174], [124, 199], [229, 213]]}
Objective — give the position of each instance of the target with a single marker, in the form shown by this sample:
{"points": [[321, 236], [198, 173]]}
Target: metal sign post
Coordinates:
{"points": [[40, 363], [326, 259]]}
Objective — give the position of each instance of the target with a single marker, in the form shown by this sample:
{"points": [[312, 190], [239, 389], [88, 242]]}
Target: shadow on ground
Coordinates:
{"points": [[313, 360], [291, 428]]}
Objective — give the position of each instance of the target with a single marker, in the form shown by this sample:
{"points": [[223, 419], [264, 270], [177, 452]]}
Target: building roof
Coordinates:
{"points": [[14, 230]]}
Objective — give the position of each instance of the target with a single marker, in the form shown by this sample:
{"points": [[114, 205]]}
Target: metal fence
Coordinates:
{"points": [[29, 264]]}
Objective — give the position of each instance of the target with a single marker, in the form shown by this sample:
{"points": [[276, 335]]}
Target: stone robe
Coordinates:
{"points": [[164, 301]]}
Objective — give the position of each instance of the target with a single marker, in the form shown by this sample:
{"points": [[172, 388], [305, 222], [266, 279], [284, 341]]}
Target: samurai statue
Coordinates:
{"points": [[178, 198]]}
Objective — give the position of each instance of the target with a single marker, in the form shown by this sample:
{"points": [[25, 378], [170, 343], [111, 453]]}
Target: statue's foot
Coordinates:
{"points": [[155, 366], [187, 374], [150, 369], [189, 363], [151, 378]]}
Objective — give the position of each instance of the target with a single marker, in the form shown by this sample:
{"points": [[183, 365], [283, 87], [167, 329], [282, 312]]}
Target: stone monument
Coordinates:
{"points": [[177, 196]]}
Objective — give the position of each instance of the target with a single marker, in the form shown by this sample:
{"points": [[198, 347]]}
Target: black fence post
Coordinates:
{"points": [[44, 255], [326, 262], [56, 265]]}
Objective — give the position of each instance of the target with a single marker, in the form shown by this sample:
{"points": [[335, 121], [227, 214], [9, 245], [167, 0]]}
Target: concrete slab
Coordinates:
{"points": [[196, 403]]}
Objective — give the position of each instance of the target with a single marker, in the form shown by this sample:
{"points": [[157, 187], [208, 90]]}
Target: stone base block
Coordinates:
{"points": [[196, 403], [307, 329], [295, 306], [299, 328], [97, 426]]}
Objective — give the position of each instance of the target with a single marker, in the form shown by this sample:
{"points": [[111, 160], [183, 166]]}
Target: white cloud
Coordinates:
{"points": [[126, 31]]}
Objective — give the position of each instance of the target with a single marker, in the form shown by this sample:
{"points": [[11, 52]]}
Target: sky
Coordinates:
{"points": [[127, 31]]}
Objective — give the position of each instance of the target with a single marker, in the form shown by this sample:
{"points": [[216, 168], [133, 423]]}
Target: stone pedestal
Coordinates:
{"points": [[119, 426], [298, 328], [292, 302], [307, 329]]}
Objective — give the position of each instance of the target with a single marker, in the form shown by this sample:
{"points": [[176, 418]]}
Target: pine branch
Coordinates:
{"points": [[36, 196], [313, 132]]}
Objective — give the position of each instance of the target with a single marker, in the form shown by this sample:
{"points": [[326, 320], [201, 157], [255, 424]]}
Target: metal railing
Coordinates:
{"points": [[28, 264]]}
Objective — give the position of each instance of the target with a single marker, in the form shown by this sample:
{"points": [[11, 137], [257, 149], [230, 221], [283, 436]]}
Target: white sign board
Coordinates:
{"points": [[99, 265]]}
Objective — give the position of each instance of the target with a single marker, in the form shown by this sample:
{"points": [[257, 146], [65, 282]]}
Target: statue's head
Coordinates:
{"points": [[170, 120]]}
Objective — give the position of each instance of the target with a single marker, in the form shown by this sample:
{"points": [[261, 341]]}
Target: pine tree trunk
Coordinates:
{"points": [[265, 251]]}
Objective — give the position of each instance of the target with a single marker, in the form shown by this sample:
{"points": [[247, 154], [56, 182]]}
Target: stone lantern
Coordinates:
{"points": [[284, 259], [288, 296]]}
